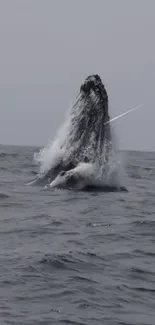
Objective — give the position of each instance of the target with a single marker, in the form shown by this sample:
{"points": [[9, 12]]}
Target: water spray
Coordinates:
{"points": [[117, 117]]}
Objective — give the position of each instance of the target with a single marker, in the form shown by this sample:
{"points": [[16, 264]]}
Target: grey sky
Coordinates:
{"points": [[47, 49]]}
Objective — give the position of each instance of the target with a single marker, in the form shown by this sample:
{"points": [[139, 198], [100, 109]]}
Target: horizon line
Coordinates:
{"points": [[43, 146]]}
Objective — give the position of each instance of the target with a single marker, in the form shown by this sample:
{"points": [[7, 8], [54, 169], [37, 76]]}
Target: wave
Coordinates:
{"points": [[4, 154], [4, 196]]}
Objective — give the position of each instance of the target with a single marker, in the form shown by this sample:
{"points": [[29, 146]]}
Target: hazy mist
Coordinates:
{"points": [[47, 49]]}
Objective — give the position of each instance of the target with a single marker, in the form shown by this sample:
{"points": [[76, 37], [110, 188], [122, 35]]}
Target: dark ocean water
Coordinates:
{"points": [[75, 257]]}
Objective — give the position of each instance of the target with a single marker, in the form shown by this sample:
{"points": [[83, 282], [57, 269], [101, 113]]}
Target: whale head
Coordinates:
{"points": [[93, 90]]}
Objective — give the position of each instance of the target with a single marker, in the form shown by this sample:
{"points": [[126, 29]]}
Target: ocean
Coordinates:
{"points": [[73, 257]]}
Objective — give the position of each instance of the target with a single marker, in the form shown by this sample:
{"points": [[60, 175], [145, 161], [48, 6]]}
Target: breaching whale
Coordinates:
{"points": [[87, 143]]}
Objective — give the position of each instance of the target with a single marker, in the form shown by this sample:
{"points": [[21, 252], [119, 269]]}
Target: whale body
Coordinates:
{"points": [[87, 141]]}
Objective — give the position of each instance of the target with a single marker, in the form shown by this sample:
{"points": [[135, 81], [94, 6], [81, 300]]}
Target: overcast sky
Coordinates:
{"points": [[48, 47]]}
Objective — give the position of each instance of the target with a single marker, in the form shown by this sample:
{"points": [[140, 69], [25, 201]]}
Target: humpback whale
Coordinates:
{"points": [[87, 141]]}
